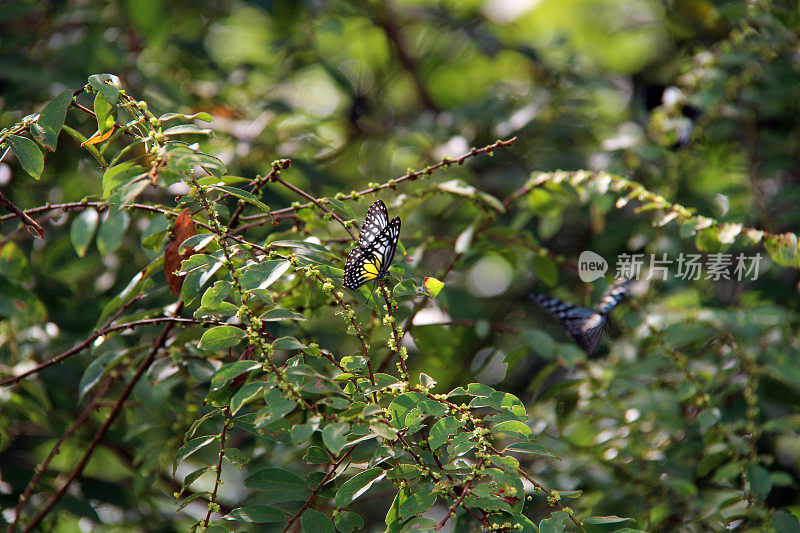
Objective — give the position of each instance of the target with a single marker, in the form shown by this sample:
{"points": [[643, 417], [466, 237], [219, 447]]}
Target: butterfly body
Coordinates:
{"points": [[585, 325], [377, 242]]}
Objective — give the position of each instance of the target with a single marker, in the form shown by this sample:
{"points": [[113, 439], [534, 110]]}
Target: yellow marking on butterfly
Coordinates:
{"points": [[371, 269]]}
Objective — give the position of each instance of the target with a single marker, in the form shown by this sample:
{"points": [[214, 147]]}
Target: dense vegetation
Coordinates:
{"points": [[182, 182]]}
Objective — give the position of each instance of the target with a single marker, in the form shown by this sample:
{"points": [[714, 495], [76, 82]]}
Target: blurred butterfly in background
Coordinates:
{"points": [[377, 242], [585, 325]]}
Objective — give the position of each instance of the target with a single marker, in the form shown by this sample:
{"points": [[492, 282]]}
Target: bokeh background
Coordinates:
{"points": [[695, 99]]}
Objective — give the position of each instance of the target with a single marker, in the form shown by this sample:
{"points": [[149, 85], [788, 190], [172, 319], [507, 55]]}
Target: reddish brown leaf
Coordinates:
{"points": [[182, 230], [247, 354]]}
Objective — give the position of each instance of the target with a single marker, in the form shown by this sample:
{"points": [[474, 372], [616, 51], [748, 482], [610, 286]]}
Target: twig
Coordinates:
{"points": [[28, 221], [157, 345], [549, 493], [316, 202], [85, 344], [456, 503], [391, 184], [392, 324], [322, 483], [213, 500], [42, 467], [386, 20]]}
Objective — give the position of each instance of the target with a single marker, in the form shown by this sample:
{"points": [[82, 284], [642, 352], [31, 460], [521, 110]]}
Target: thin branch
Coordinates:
{"points": [[549, 493], [392, 324], [391, 184], [456, 503], [28, 221], [109, 329], [387, 21], [314, 492], [213, 500], [157, 345], [41, 468], [316, 202]]}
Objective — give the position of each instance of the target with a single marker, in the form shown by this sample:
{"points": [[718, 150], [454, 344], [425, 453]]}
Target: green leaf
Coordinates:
{"points": [[107, 84], [348, 522], [214, 295], [442, 430], [106, 113], [317, 455], [236, 457], [20, 304], [417, 503], [302, 432], [189, 448], [231, 371], [193, 497], [193, 476], [278, 485], [785, 522], [313, 520], [14, 263], [190, 129], [402, 405], [95, 370], [258, 514], [221, 337], [528, 447], [759, 480], [109, 238], [51, 119], [202, 115], [555, 524], [288, 343], [393, 515], [121, 174], [603, 524], [276, 407], [82, 230], [247, 393], [28, 154], [242, 195], [546, 269], [404, 471], [783, 249], [357, 485], [276, 314], [334, 436], [262, 275], [512, 427]]}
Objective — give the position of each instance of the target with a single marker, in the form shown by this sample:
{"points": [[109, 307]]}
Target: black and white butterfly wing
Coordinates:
{"points": [[386, 245], [372, 262], [355, 268], [376, 221]]}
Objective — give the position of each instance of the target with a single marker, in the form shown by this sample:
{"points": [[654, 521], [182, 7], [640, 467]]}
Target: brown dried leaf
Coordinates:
{"points": [[182, 230]]}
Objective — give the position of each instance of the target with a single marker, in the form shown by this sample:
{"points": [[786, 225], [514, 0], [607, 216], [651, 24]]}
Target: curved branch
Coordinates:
{"points": [[159, 343]]}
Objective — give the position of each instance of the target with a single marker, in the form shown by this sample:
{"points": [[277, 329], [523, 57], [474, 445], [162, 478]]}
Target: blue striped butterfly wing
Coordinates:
{"points": [[585, 325], [613, 296]]}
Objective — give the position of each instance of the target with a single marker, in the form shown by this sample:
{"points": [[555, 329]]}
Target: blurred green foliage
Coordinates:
{"points": [[684, 115]]}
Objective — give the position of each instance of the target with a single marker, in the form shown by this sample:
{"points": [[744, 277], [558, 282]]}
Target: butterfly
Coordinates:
{"points": [[377, 243], [585, 325]]}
